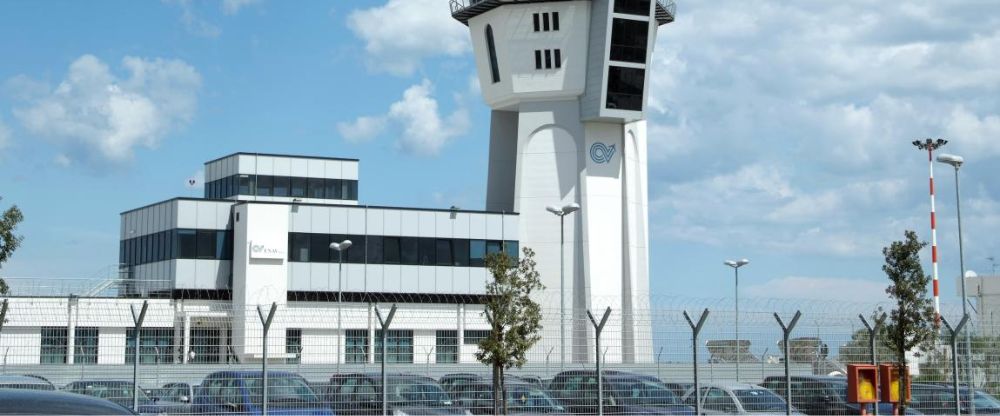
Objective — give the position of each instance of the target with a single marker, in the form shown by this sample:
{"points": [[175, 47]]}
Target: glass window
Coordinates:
{"points": [[398, 346], [511, 248], [333, 189], [85, 345], [427, 249], [443, 252], [356, 344], [186, 243], [625, 88], [555, 20], [538, 59], [171, 254], [157, 345], [293, 345], [374, 249], [206, 345], [319, 248], [206, 244], [281, 185], [534, 18], [227, 248], [356, 253], [639, 7], [265, 185], [493, 246], [492, 51], [390, 250], [298, 247], [408, 250], [317, 188], [557, 58], [351, 190], [545, 22], [220, 244], [446, 347], [229, 187], [53, 345], [298, 187], [477, 253], [248, 185], [548, 59], [474, 336], [460, 248], [628, 40]]}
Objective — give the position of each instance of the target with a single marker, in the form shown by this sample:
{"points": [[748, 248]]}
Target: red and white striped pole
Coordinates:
{"points": [[930, 146]]}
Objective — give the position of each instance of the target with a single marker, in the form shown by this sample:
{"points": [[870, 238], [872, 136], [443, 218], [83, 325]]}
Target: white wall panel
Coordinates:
{"points": [[205, 273], [409, 279], [298, 167], [205, 215], [391, 277], [187, 214], [443, 224], [185, 273], [349, 170], [247, 164], [338, 220], [511, 224], [321, 278], [320, 220], [477, 226], [282, 166], [460, 225], [495, 226], [375, 219], [172, 212], [425, 281], [392, 222], [460, 279], [303, 216], [374, 278], [354, 277], [315, 168], [333, 169], [409, 223], [356, 221], [444, 281], [265, 165], [427, 224]]}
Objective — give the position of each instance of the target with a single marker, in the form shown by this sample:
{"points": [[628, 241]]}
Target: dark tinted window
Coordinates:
{"points": [[281, 185], [333, 190], [375, 249], [538, 59], [427, 251], [53, 349], [390, 250], [443, 252], [408, 250], [492, 51], [477, 253], [206, 244], [186, 243], [493, 246], [355, 254], [625, 88], [351, 190], [628, 40], [248, 185], [555, 20], [298, 187], [265, 185], [461, 252], [537, 25], [299, 247], [85, 345], [317, 188], [319, 248], [558, 58], [639, 7]]}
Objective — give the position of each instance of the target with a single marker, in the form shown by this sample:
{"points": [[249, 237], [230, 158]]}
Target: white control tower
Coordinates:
{"points": [[567, 81]]}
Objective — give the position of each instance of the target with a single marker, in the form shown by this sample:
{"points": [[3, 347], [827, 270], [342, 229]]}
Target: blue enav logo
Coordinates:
{"points": [[601, 153]]}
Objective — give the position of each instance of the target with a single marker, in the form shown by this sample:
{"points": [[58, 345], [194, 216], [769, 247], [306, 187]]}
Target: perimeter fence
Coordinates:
{"points": [[209, 356]]}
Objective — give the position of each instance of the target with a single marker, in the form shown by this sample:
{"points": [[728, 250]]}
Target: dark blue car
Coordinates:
{"points": [[239, 392]]}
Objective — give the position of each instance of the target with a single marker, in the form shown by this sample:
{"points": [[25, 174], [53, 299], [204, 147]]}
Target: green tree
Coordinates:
{"points": [[911, 324], [514, 318], [858, 349], [9, 240], [986, 361]]}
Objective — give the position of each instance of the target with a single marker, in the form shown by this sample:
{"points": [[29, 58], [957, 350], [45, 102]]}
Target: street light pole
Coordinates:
{"points": [[561, 212], [736, 264], [956, 162], [340, 247]]}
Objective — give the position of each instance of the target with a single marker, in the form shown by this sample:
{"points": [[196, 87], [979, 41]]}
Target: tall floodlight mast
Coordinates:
{"points": [[567, 82]]}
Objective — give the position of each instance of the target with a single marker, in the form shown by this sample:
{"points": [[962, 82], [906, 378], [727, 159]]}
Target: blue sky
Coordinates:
{"points": [[778, 132]]}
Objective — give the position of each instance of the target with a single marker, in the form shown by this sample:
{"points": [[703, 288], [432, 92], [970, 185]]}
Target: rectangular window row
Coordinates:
{"points": [[636, 7], [628, 40], [157, 345], [625, 88], [553, 58], [54, 349], [544, 22], [177, 244], [374, 249], [284, 186]]}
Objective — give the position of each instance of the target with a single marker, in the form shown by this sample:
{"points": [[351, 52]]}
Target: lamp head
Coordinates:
{"points": [[951, 159], [553, 209], [571, 208], [343, 245], [742, 262], [969, 274], [730, 263]]}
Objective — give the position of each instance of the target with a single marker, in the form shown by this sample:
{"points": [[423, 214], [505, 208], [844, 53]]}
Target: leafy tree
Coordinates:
{"points": [[858, 349], [9, 241], [986, 359], [911, 324], [514, 318]]}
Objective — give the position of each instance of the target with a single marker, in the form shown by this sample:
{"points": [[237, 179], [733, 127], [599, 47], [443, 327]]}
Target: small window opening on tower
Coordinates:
{"points": [[538, 59], [491, 46], [545, 21], [555, 20], [548, 59], [536, 21], [558, 58]]}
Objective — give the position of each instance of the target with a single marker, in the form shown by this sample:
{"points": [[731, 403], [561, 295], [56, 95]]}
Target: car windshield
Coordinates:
{"points": [[643, 392], [529, 399], [759, 400], [111, 391], [417, 392], [984, 401], [282, 389]]}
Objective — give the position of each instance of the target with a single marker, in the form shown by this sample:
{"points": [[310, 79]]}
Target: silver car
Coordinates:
{"points": [[737, 399]]}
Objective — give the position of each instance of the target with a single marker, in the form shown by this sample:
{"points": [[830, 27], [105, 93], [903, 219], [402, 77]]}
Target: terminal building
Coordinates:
{"points": [[567, 82]]}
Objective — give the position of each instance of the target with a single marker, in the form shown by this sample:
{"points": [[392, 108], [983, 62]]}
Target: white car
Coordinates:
{"points": [[737, 399]]}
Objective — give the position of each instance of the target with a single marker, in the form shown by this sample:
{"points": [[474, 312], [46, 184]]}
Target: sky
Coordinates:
{"points": [[778, 131]]}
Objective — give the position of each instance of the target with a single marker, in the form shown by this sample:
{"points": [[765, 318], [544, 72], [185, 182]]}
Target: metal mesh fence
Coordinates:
{"points": [[208, 357]]}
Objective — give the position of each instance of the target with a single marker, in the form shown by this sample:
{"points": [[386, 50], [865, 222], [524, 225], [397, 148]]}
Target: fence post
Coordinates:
{"points": [[872, 332], [695, 330], [384, 323], [787, 330], [598, 327], [658, 353], [266, 322], [954, 358], [137, 319], [3, 317]]}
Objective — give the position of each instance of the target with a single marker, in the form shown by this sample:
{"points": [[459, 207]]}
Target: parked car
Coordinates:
{"points": [[238, 391], [361, 394], [450, 381], [985, 403], [821, 395], [678, 388], [933, 399], [175, 392], [120, 392], [738, 399], [625, 393], [50, 402], [24, 382], [522, 398]]}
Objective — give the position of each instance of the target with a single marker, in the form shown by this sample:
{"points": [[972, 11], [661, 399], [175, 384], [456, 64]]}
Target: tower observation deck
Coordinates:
{"points": [[463, 10]]}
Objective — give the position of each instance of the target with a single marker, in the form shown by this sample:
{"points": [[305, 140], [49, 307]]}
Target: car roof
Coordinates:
{"points": [[14, 378], [250, 373], [13, 401], [733, 386]]}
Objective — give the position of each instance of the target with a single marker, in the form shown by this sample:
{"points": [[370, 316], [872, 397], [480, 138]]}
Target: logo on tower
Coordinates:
{"points": [[601, 153]]}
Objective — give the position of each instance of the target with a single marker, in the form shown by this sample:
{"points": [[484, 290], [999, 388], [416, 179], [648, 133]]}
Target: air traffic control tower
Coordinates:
{"points": [[567, 81]]}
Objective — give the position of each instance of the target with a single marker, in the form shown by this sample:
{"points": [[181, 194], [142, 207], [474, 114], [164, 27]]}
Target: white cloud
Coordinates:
{"points": [[95, 112], [401, 33], [424, 130], [193, 23], [62, 160], [4, 135], [362, 129], [820, 288], [231, 7]]}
